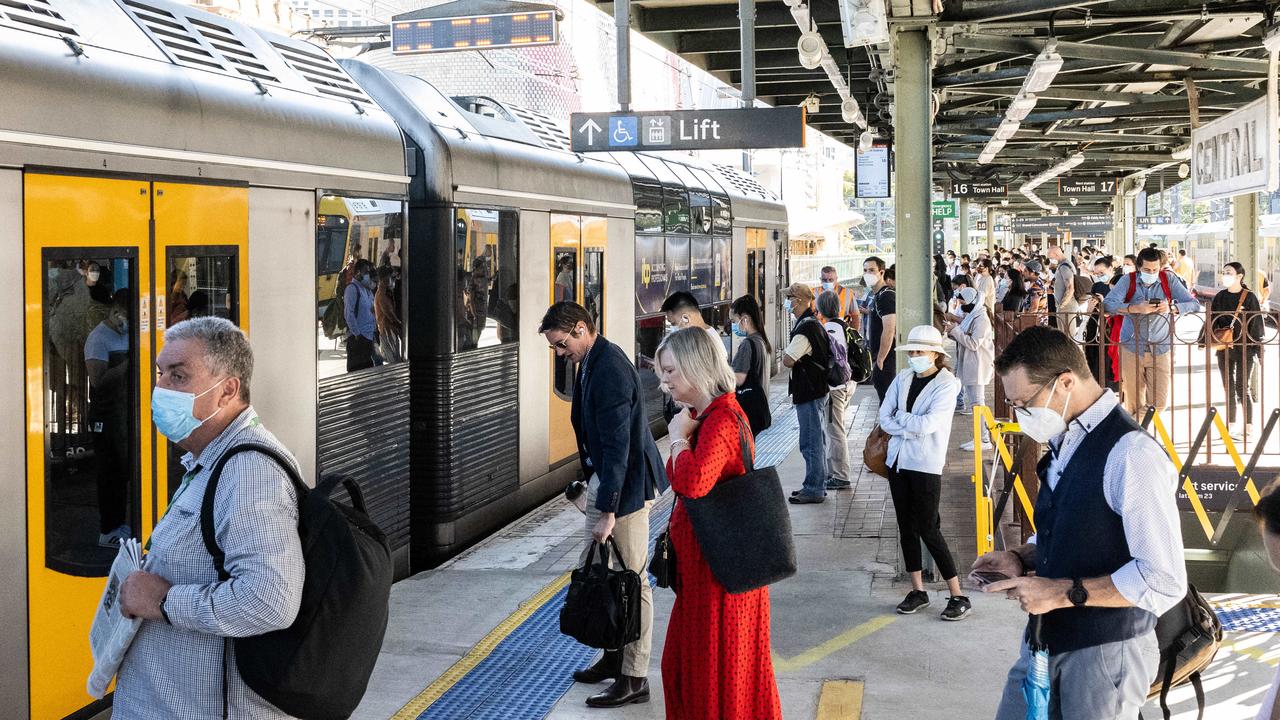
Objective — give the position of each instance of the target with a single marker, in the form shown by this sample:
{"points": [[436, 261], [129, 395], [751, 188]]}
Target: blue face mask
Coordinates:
{"points": [[173, 412], [787, 305], [828, 285], [1149, 278], [738, 331]]}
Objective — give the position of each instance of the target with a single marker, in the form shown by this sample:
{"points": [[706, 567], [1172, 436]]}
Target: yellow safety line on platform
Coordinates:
{"points": [[840, 700], [839, 642], [482, 649]]}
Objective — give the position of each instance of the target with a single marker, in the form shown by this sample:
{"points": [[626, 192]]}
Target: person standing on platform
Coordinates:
{"points": [[362, 327], [1147, 300], [848, 302], [828, 307], [1186, 268], [716, 663], [1064, 289], [1236, 309], [682, 311], [755, 347], [985, 284], [624, 472], [806, 355], [975, 345], [917, 413], [1107, 557], [882, 325]]}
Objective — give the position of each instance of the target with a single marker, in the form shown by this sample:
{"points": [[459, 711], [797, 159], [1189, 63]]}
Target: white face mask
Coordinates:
{"points": [[1042, 424], [828, 285], [1229, 279], [920, 363], [870, 279], [92, 275]]}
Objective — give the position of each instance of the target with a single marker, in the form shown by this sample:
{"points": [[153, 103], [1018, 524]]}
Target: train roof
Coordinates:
{"points": [[153, 86], [491, 158]]}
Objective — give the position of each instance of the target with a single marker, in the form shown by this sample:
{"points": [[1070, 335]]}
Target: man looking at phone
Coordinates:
{"points": [[1107, 556], [1147, 300]]}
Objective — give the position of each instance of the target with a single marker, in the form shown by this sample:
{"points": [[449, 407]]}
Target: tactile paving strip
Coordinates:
{"points": [[532, 668], [1249, 619]]}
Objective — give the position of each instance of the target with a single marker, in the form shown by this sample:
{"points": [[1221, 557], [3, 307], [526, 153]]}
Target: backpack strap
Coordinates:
{"points": [[1133, 287], [211, 489], [1164, 285]]}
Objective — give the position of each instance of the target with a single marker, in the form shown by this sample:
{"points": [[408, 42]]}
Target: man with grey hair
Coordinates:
{"points": [[181, 663], [828, 312]]}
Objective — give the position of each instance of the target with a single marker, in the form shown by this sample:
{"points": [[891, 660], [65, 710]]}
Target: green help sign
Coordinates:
{"points": [[944, 208]]}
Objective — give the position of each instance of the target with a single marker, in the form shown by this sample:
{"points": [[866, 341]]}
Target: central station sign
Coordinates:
{"points": [[1232, 154], [978, 189], [1076, 186], [1059, 223], [747, 128]]}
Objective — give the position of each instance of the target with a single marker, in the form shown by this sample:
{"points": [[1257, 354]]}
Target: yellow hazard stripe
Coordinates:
{"points": [[482, 650], [840, 700]]}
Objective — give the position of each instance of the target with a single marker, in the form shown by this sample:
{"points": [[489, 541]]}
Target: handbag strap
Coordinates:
{"points": [[744, 442]]}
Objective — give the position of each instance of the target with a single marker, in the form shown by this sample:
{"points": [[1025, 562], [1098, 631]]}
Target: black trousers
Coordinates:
{"points": [[916, 496], [1234, 365], [359, 353], [881, 379]]}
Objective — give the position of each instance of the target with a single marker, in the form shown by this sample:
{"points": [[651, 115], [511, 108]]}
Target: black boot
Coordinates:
{"points": [[624, 691], [608, 667]]}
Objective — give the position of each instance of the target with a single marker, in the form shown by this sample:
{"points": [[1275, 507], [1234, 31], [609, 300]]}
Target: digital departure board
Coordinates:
{"points": [[478, 32]]}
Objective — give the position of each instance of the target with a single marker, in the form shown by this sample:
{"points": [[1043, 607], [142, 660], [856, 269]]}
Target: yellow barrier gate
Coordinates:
{"points": [[986, 509]]}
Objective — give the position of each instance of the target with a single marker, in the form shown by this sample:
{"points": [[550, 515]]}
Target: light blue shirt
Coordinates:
{"points": [[358, 310], [1149, 333]]}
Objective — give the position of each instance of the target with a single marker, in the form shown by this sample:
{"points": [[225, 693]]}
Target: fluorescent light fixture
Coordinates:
{"points": [[1007, 129], [985, 157], [1071, 162], [863, 22], [811, 48], [1043, 70], [1021, 107]]}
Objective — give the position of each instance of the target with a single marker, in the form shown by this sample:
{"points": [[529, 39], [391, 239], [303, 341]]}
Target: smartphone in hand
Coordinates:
{"points": [[982, 578]]}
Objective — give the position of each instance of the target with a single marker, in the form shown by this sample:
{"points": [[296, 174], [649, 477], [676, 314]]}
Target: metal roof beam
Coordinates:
{"points": [[1069, 94], [1095, 79], [766, 39], [703, 18], [1007, 9], [1112, 53]]}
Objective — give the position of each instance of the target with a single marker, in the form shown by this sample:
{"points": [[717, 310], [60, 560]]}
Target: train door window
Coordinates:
{"points": [[595, 233], [486, 279], [753, 282], [566, 245], [91, 407]]}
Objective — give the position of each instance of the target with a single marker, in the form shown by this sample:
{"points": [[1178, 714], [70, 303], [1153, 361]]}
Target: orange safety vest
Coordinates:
{"points": [[845, 312]]}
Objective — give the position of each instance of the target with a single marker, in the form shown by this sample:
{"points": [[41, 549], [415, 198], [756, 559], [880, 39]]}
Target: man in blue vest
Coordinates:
{"points": [[1108, 549]]}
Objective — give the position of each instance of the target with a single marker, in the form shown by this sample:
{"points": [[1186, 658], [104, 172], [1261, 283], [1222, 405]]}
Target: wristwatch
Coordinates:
{"points": [[164, 614], [1077, 594]]}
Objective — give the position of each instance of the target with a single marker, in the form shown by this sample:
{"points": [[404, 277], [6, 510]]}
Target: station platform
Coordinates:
{"points": [[478, 637]]}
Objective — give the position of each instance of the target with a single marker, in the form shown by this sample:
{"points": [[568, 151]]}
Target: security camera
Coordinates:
{"points": [[812, 104]]}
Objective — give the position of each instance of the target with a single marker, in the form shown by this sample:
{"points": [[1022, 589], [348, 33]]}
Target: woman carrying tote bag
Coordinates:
{"points": [[716, 661], [916, 413]]}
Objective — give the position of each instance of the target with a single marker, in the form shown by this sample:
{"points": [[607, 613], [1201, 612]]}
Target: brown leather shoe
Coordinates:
{"points": [[608, 667], [624, 691]]}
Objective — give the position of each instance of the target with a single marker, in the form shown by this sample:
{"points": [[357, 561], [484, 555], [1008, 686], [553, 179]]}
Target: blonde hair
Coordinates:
{"points": [[700, 361]]}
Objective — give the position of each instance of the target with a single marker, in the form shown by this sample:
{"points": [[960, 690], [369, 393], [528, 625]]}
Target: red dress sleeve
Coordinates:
{"points": [[716, 456]]}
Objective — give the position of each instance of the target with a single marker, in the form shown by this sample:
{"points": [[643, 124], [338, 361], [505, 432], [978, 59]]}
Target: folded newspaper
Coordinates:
{"points": [[112, 632]]}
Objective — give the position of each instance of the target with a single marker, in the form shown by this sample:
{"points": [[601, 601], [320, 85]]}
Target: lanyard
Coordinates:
{"points": [[186, 480]]}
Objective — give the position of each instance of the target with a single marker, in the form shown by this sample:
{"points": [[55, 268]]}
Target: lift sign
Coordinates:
{"points": [[689, 129], [479, 32]]}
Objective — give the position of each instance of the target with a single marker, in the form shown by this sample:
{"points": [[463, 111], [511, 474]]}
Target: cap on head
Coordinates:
{"points": [[799, 291]]}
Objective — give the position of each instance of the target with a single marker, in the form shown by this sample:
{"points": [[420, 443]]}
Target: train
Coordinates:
{"points": [[174, 163]]}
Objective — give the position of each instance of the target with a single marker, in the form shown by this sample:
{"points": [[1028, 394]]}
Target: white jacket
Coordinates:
{"points": [[918, 440], [975, 348]]}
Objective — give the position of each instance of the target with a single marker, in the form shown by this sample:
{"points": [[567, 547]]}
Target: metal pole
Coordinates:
{"points": [[1244, 231], [991, 229], [1130, 224], [914, 165], [747, 29], [622, 20]]}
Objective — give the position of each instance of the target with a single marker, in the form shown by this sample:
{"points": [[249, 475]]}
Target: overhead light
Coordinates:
{"points": [[1184, 170], [1021, 107], [863, 22], [850, 112], [1043, 70], [1008, 128], [865, 140], [811, 48], [985, 157]]}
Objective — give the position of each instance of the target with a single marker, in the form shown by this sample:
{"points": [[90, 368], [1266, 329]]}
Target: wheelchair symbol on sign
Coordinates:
{"points": [[621, 136], [623, 132]]}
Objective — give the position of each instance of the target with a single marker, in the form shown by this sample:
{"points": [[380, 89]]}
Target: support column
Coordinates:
{"points": [[914, 178], [1117, 226], [991, 229], [964, 226], [1130, 225], [747, 32], [1244, 236], [622, 22]]}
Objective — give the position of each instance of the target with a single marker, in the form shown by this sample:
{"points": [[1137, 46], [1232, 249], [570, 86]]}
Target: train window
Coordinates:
{"points": [[91, 408], [593, 285], [486, 278], [356, 233], [722, 223], [648, 199], [675, 209], [701, 214]]}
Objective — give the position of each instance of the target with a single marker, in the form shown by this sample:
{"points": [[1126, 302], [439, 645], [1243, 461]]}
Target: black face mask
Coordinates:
{"points": [[968, 308]]}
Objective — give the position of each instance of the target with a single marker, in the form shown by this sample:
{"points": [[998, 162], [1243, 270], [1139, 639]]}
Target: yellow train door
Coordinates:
{"points": [[93, 276]]}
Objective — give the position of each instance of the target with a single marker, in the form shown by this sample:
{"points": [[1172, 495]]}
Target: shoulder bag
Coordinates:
{"points": [[743, 526], [1225, 337], [752, 395], [875, 454], [662, 566]]}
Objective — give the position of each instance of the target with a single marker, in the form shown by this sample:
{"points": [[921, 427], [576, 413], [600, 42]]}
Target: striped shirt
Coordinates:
{"points": [[175, 672], [1139, 483]]}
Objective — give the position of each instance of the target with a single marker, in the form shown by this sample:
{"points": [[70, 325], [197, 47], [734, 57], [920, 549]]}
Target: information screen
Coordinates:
{"points": [[872, 172], [410, 37]]}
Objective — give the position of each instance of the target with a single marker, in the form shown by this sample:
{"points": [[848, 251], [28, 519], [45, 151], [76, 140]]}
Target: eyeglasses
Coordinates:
{"points": [[564, 344], [1022, 405]]}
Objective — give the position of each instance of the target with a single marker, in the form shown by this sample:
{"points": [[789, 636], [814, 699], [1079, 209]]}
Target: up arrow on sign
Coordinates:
{"points": [[590, 128]]}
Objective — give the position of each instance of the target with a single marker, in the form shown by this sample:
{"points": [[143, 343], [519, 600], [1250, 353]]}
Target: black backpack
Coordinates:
{"points": [[1189, 635], [858, 353], [317, 668]]}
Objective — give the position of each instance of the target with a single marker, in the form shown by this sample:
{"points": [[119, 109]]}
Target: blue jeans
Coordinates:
{"points": [[812, 416]]}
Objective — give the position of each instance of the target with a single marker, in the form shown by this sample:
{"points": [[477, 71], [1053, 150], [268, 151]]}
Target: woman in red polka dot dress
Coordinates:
{"points": [[716, 663]]}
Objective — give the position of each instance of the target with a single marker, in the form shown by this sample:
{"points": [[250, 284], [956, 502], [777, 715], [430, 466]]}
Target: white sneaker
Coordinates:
{"points": [[1249, 430], [115, 537], [968, 446], [967, 411], [1236, 431]]}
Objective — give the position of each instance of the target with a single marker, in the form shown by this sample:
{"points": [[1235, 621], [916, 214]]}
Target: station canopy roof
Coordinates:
{"points": [[1135, 76]]}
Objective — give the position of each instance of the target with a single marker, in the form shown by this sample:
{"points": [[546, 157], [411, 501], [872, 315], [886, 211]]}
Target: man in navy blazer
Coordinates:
{"points": [[625, 474]]}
